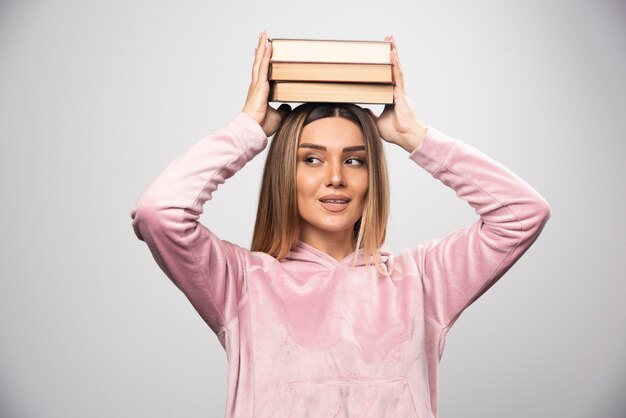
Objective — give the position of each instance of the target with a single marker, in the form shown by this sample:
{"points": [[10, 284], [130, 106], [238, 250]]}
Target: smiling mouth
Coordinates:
{"points": [[334, 201], [334, 205]]}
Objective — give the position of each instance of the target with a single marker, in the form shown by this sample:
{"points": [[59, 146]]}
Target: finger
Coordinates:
{"points": [[394, 48], [394, 42], [398, 78], [389, 38], [260, 49], [265, 62], [258, 55], [398, 75], [392, 39]]}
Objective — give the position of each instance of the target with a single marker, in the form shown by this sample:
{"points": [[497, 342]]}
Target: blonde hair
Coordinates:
{"points": [[277, 226]]}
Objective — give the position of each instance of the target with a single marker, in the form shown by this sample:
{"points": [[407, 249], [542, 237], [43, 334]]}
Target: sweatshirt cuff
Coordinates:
{"points": [[248, 132], [434, 150]]}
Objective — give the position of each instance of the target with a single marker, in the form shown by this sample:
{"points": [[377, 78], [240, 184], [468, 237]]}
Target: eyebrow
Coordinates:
{"points": [[323, 148]]}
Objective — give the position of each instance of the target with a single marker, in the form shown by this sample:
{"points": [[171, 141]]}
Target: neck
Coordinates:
{"points": [[338, 245]]}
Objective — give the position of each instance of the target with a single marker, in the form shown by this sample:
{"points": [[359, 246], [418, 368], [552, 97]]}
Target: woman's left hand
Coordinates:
{"points": [[398, 123]]}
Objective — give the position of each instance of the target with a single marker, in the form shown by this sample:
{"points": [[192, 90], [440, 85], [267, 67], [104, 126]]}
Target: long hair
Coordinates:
{"points": [[277, 226]]}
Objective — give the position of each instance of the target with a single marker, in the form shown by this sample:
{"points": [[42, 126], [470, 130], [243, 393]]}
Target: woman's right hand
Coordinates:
{"points": [[257, 104]]}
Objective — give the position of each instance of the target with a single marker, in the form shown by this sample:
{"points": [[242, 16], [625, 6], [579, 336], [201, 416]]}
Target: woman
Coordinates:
{"points": [[308, 328]]}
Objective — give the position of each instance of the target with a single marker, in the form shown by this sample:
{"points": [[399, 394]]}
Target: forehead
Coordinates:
{"points": [[332, 132]]}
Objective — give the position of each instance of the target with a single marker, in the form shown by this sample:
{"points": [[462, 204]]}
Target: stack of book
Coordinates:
{"points": [[313, 70]]}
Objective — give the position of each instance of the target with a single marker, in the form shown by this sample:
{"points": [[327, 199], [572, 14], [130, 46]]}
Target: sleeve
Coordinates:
{"points": [[208, 270], [457, 269]]}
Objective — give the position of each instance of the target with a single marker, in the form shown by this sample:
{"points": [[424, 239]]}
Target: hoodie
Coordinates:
{"points": [[312, 336]]}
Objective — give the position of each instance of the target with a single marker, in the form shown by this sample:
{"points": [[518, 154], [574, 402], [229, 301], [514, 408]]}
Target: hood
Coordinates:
{"points": [[303, 252]]}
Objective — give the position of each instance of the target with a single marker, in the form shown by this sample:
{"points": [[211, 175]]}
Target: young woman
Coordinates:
{"points": [[310, 328]]}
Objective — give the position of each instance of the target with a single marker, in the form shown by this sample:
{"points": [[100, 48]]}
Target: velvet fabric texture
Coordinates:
{"points": [[312, 336]]}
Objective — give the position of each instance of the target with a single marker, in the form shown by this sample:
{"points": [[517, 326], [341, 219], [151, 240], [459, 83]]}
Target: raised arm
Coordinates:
{"points": [[460, 267], [208, 270]]}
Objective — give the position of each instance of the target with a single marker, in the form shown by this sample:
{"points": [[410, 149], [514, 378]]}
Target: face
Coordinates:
{"points": [[331, 161]]}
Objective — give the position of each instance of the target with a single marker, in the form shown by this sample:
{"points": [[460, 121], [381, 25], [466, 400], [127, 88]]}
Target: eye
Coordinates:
{"points": [[308, 159], [359, 161]]}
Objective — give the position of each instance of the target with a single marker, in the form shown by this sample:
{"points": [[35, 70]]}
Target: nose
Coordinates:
{"points": [[334, 174]]}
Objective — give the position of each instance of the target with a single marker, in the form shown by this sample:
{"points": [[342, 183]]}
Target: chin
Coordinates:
{"points": [[330, 222], [336, 227]]}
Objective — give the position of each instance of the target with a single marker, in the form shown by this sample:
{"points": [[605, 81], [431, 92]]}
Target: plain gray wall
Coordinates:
{"points": [[96, 98]]}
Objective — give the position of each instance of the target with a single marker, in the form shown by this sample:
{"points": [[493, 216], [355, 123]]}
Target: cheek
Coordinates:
{"points": [[306, 183], [302, 193], [362, 186]]}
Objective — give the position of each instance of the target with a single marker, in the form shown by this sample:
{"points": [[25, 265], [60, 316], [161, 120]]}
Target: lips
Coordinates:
{"points": [[335, 202]]}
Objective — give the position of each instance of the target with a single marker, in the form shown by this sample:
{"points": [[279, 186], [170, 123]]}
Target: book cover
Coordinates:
{"points": [[307, 71], [330, 51], [285, 91]]}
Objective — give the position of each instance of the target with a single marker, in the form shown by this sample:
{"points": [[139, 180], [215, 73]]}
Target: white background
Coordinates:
{"points": [[96, 98]]}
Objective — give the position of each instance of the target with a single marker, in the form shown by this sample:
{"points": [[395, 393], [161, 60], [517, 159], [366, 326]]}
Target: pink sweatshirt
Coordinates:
{"points": [[311, 336]]}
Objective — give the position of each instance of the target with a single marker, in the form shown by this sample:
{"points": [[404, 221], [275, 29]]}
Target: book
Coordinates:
{"points": [[307, 71], [343, 71], [287, 91], [337, 51]]}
